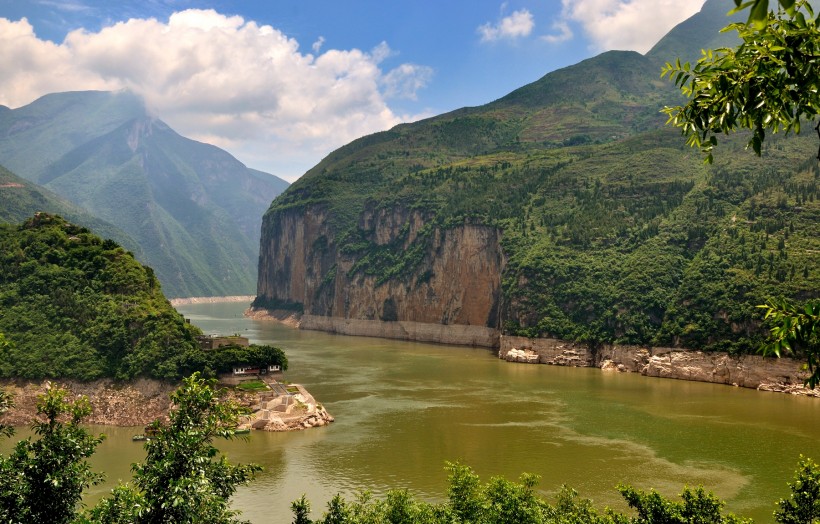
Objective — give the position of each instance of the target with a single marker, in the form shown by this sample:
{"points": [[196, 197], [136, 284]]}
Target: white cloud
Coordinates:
{"points": [[219, 79], [563, 33], [518, 24], [405, 81], [317, 45], [628, 24]]}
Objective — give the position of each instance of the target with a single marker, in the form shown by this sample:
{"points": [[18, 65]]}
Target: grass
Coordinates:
{"points": [[253, 385]]}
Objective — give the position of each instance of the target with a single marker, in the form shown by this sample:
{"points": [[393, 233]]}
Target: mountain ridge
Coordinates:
{"points": [[194, 209]]}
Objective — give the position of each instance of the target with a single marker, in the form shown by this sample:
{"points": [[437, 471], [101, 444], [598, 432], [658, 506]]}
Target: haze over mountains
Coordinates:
{"points": [[564, 209], [193, 209]]}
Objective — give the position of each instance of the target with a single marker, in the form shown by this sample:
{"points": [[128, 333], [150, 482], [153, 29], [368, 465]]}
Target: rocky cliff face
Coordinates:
{"points": [[394, 267]]}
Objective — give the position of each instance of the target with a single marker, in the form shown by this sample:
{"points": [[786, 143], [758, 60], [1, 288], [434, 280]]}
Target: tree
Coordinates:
{"points": [[770, 82], [42, 481], [697, 506], [182, 480], [803, 504], [795, 330]]}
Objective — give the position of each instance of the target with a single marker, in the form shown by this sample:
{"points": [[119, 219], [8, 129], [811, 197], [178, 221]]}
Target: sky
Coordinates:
{"points": [[282, 83]]}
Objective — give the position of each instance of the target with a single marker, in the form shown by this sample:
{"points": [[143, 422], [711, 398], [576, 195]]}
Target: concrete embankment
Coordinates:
{"points": [[211, 300], [454, 334], [749, 371], [457, 334]]}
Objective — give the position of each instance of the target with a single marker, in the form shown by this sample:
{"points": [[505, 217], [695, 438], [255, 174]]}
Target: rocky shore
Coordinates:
{"points": [[279, 411], [116, 404], [749, 371], [142, 401]]}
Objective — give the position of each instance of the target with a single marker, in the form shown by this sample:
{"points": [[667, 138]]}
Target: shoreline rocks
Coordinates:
{"points": [[143, 401], [134, 403], [783, 375]]}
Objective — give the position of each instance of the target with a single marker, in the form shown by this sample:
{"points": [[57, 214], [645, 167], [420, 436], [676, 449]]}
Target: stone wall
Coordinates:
{"points": [[457, 334], [749, 371]]}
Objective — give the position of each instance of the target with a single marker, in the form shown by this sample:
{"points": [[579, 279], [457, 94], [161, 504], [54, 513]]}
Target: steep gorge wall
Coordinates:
{"points": [[455, 282]]}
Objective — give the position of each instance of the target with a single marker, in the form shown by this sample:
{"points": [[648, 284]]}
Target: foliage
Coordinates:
{"points": [[76, 306], [795, 329], [759, 9], [224, 358], [182, 480], [42, 480], [696, 507], [502, 501], [803, 504], [611, 229], [768, 83]]}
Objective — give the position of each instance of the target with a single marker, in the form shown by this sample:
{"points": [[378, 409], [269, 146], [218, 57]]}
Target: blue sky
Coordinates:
{"points": [[281, 83]]}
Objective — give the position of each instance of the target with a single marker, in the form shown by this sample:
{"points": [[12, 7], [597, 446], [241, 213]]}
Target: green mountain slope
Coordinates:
{"points": [[21, 199], [76, 306], [611, 229], [194, 209]]}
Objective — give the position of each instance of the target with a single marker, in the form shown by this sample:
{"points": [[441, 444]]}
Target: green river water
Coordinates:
{"points": [[402, 409]]}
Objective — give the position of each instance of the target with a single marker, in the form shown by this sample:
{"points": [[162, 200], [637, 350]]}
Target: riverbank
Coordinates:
{"points": [[143, 401], [782, 375], [451, 334], [211, 300]]}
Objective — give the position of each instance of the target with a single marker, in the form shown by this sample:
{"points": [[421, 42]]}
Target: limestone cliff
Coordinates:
{"points": [[395, 266]]}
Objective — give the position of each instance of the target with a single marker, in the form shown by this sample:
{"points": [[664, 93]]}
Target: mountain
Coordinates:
{"points": [[194, 210], [564, 209], [21, 199]]}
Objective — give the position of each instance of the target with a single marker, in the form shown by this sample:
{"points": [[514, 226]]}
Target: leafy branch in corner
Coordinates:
{"points": [[770, 82], [795, 329]]}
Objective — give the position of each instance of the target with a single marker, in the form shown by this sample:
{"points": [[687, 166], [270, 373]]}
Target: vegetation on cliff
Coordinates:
{"points": [[76, 306], [612, 230]]}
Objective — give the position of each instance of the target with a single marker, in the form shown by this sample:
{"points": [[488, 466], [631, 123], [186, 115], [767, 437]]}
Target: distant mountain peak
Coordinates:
{"points": [[700, 31], [194, 209]]}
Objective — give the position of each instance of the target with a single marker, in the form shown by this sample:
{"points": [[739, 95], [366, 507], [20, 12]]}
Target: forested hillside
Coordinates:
{"points": [[20, 199], [612, 230], [76, 306]]}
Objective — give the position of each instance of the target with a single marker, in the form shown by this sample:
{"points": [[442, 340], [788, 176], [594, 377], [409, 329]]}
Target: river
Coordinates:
{"points": [[403, 409]]}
